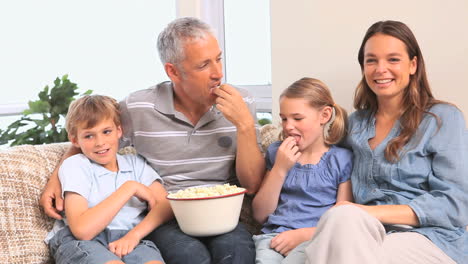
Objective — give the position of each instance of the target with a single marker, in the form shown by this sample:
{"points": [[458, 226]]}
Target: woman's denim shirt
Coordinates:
{"points": [[431, 175]]}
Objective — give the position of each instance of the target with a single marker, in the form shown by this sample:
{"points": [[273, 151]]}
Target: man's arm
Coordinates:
{"points": [[250, 165], [51, 197]]}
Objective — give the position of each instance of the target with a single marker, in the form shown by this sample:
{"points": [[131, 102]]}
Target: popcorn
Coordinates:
{"points": [[203, 192]]}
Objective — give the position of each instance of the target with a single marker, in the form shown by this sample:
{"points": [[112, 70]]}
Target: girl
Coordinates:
{"points": [[306, 173]]}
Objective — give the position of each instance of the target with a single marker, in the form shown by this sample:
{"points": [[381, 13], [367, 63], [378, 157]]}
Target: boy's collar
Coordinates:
{"points": [[122, 162]]}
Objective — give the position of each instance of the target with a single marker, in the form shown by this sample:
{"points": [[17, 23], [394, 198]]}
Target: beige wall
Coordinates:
{"points": [[321, 39]]}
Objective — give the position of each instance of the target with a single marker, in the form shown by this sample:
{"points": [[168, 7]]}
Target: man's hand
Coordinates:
{"points": [[51, 199], [232, 105], [286, 241], [124, 246]]}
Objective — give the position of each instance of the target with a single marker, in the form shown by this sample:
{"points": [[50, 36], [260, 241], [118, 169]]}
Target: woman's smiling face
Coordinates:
{"points": [[387, 66]]}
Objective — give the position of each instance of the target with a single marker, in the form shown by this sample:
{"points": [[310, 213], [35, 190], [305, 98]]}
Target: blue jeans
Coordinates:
{"points": [[235, 247], [267, 255], [65, 248]]}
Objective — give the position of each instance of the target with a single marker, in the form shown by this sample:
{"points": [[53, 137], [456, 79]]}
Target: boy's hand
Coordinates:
{"points": [[288, 154], [124, 246], [144, 194]]}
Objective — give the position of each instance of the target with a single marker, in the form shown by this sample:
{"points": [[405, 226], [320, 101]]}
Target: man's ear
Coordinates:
{"points": [[325, 115], [172, 72]]}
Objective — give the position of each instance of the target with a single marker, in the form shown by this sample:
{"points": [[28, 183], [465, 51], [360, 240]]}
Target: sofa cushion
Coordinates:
{"points": [[24, 171]]}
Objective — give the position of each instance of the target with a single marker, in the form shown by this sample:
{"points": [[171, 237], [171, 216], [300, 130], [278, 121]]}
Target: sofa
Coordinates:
{"points": [[24, 171]]}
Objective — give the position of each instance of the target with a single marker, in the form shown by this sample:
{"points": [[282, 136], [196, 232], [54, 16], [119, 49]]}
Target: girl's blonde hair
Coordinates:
{"points": [[318, 96], [89, 110]]}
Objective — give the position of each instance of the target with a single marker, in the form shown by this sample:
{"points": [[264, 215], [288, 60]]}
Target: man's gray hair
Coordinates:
{"points": [[172, 39]]}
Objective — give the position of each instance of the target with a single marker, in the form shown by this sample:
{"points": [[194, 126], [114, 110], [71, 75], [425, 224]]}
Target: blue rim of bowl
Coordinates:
{"points": [[206, 198]]}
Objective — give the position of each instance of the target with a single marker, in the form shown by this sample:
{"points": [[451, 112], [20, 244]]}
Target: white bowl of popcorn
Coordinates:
{"points": [[207, 211]]}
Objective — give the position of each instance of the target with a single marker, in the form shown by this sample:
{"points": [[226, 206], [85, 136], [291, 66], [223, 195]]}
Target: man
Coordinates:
{"points": [[193, 131]]}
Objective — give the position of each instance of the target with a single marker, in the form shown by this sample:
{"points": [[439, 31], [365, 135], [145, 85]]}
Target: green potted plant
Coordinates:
{"points": [[40, 123]]}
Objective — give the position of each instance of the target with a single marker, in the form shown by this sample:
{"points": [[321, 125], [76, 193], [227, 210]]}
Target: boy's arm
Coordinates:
{"points": [[85, 223], [51, 197], [158, 215]]}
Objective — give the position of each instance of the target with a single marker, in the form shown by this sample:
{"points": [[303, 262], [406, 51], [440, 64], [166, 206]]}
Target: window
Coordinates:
{"points": [[243, 31], [108, 46]]}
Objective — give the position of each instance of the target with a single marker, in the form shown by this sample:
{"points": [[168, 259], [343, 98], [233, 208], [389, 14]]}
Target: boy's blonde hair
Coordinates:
{"points": [[89, 110], [317, 94]]}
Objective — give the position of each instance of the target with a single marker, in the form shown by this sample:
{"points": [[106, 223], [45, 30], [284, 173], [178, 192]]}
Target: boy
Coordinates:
{"points": [[105, 193]]}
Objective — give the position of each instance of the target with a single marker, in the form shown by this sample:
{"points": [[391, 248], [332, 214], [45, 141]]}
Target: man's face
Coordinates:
{"points": [[200, 71]]}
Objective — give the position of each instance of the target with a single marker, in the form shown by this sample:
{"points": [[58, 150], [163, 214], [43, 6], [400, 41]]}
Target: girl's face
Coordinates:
{"points": [[303, 122], [387, 66]]}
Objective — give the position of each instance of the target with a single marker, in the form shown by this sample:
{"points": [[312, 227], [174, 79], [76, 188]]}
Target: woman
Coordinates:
{"points": [[410, 175]]}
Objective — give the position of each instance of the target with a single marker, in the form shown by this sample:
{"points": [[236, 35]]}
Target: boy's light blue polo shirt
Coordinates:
{"points": [[95, 183]]}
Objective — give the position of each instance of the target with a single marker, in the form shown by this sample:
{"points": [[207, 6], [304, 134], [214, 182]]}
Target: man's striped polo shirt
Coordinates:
{"points": [[184, 155]]}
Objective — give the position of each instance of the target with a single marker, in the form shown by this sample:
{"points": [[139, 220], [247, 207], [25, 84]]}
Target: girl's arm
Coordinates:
{"points": [[85, 223], [345, 192], [288, 240], [158, 215], [266, 199]]}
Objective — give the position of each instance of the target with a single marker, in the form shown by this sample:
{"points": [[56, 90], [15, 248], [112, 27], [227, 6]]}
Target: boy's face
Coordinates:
{"points": [[99, 143]]}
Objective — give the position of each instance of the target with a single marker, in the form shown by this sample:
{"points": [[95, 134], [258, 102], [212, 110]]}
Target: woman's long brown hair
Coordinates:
{"points": [[417, 97]]}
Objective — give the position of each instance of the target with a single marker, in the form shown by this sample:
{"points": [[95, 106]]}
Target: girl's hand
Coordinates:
{"points": [[286, 241], [288, 154], [124, 246]]}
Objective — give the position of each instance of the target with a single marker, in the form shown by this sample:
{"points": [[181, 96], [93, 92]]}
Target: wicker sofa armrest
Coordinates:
{"points": [[24, 171]]}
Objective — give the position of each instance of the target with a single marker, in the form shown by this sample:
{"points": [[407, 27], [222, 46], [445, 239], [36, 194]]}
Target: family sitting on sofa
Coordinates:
{"points": [[402, 150]]}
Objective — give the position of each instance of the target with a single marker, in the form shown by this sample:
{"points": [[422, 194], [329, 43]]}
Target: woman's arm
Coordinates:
{"points": [[389, 214], [446, 202]]}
